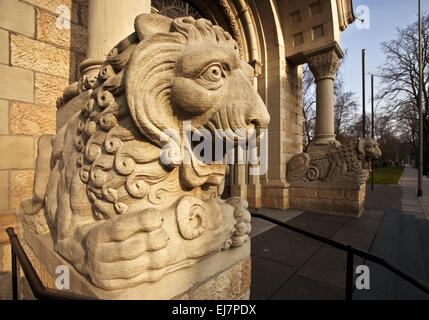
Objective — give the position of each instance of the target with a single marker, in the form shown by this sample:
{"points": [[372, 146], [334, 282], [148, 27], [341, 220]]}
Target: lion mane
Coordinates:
{"points": [[116, 163]]}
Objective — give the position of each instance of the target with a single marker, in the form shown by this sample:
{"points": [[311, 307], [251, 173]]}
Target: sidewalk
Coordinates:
{"points": [[412, 204], [286, 265]]}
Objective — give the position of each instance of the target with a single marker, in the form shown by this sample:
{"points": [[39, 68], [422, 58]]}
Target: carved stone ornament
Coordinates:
{"points": [[324, 65], [175, 8], [233, 23], [118, 213], [336, 165]]}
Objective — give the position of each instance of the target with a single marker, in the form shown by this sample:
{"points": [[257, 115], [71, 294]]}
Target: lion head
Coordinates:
{"points": [[186, 69], [368, 148]]}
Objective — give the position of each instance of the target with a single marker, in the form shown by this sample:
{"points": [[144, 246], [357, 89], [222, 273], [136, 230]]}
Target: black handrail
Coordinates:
{"points": [[351, 251], [39, 290]]}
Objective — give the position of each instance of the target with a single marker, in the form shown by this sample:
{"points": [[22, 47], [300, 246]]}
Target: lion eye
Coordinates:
{"points": [[214, 73]]}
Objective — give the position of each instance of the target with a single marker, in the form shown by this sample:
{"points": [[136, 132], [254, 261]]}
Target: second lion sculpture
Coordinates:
{"points": [[117, 212]]}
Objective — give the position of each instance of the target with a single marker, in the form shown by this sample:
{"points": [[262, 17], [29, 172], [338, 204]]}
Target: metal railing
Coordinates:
{"points": [[36, 285], [41, 292], [351, 252]]}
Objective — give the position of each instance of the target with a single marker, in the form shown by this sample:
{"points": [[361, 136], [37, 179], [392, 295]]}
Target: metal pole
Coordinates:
{"points": [[372, 128], [363, 94], [420, 172]]}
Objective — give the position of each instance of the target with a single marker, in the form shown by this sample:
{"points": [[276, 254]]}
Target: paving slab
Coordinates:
{"points": [[284, 247], [413, 209], [267, 277], [386, 241], [323, 228], [371, 294], [300, 288], [410, 202], [282, 215], [423, 226], [326, 266], [326, 217], [363, 224], [373, 214], [260, 225], [409, 250], [357, 239], [382, 197]]}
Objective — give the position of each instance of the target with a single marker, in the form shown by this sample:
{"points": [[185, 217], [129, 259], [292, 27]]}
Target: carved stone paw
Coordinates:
{"points": [[37, 223], [127, 251], [242, 226], [33, 216]]}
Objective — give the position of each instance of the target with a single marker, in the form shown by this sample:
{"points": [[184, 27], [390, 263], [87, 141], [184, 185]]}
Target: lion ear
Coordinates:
{"points": [[148, 24]]}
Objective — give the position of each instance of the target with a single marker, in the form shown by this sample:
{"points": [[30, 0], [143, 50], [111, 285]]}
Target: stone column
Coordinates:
{"points": [[243, 184], [324, 65], [109, 21]]}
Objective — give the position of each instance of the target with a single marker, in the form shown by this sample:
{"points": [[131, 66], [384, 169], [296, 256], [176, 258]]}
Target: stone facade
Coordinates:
{"points": [[37, 62]]}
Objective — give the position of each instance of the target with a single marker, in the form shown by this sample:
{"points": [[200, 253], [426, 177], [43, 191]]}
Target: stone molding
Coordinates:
{"points": [[324, 65]]}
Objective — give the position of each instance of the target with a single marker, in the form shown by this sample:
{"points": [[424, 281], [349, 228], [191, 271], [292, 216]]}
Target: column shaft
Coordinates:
{"points": [[109, 21], [324, 65], [324, 110]]}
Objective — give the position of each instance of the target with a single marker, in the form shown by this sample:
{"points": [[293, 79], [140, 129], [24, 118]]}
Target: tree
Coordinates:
{"points": [[400, 73], [308, 105], [345, 106]]}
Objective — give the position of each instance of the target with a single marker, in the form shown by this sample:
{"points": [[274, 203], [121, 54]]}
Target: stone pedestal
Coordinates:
{"points": [[254, 195], [239, 186], [223, 275], [331, 178], [276, 198], [348, 202]]}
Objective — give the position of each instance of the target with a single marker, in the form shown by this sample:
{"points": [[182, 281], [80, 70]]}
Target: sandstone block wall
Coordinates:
{"points": [[335, 201], [39, 57]]}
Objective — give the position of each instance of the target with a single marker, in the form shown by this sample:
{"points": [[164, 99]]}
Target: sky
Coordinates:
{"points": [[385, 16]]}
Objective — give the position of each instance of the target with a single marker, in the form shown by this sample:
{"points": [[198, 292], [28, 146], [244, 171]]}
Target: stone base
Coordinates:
{"points": [[254, 195], [348, 202], [223, 275], [275, 198], [239, 190]]}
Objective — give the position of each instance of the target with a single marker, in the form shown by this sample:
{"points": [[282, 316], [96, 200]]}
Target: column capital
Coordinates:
{"points": [[324, 63]]}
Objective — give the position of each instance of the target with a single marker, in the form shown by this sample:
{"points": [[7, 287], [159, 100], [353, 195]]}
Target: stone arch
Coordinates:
{"points": [[236, 16]]}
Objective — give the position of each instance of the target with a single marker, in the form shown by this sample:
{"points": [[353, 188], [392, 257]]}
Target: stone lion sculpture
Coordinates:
{"points": [[345, 163], [116, 211]]}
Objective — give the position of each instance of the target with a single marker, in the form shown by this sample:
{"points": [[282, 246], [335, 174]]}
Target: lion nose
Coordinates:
{"points": [[258, 116]]}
